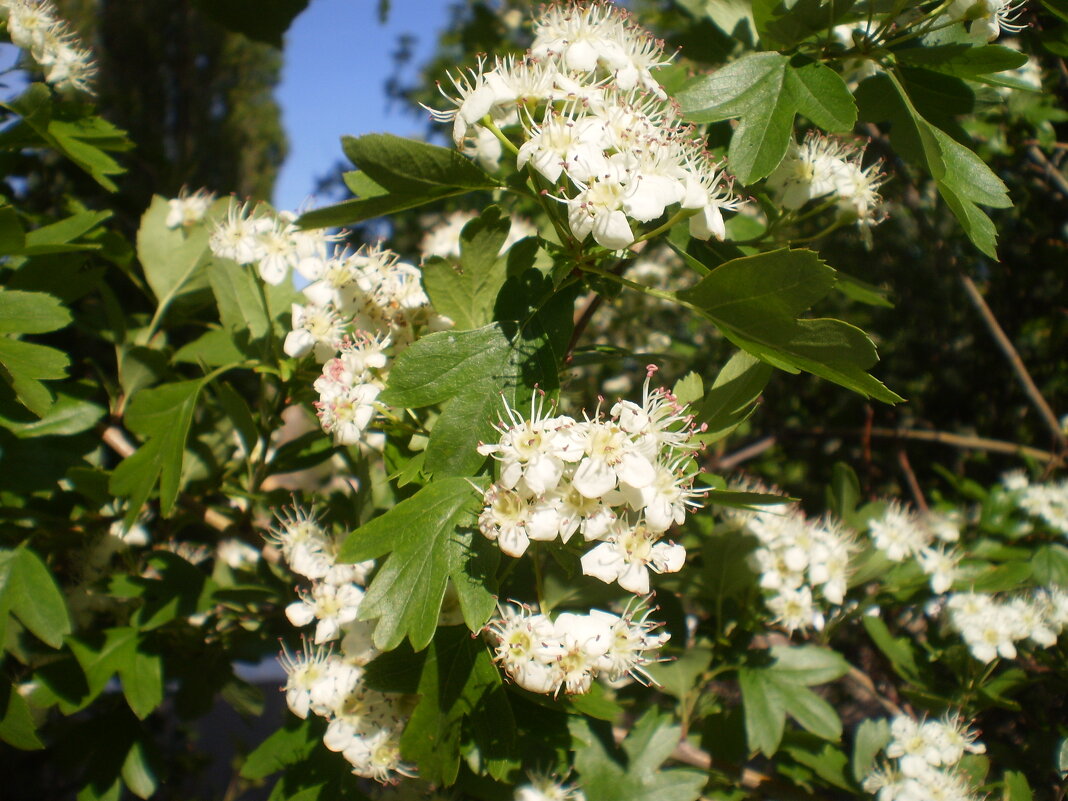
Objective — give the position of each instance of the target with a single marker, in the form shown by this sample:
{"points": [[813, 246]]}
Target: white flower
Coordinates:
{"points": [[239, 237], [598, 209], [506, 519], [608, 457], [316, 680], [520, 634], [988, 18], [315, 328], [941, 565], [306, 546], [546, 788], [629, 555], [794, 609], [333, 605], [810, 170], [898, 533], [565, 140], [188, 209], [532, 452]]}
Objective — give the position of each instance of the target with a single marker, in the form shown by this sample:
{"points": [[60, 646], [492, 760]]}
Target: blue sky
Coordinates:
{"points": [[337, 61]]}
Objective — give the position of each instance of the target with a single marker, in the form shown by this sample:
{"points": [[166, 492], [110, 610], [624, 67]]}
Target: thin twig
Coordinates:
{"points": [[943, 437], [1054, 175], [732, 460], [910, 478], [582, 320], [1014, 359], [860, 680]]}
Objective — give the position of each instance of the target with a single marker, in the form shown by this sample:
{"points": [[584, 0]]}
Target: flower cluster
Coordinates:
{"points": [[543, 655], [824, 165], [991, 627], [363, 307], [803, 564], [34, 26], [901, 533], [595, 125], [1046, 501], [925, 761], [621, 482], [364, 725]]}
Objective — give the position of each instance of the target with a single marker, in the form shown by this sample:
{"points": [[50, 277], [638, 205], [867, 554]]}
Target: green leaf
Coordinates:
{"points": [[58, 237], [783, 24], [12, 237], [173, 259], [808, 664], [862, 292], [963, 179], [399, 174], [23, 365], [16, 722], [136, 772], [733, 395], [467, 295], [237, 296], [808, 709], [420, 535], [1004, 577], [634, 772], [292, 743], [962, 60], [820, 94], [765, 710], [82, 139], [897, 649], [459, 683], [102, 654], [31, 312], [679, 676], [1017, 787], [755, 301], [843, 493], [825, 760], [689, 389], [141, 674], [872, 736], [473, 373], [1062, 758], [70, 414], [162, 417], [29, 591], [764, 91], [261, 22], [1049, 565]]}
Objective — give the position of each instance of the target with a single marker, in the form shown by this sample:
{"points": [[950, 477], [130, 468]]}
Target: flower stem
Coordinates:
{"points": [[491, 126], [677, 217]]}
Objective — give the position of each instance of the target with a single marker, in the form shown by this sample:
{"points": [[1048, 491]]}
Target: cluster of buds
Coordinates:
{"points": [[620, 482], [924, 761], [823, 166], [543, 655], [364, 725], [803, 564], [594, 124], [34, 26], [991, 626]]}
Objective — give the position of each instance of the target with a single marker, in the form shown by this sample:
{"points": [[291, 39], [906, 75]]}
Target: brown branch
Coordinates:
{"points": [[859, 680], [942, 437], [1055, 176], [910, 478], [1018, 366]]}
